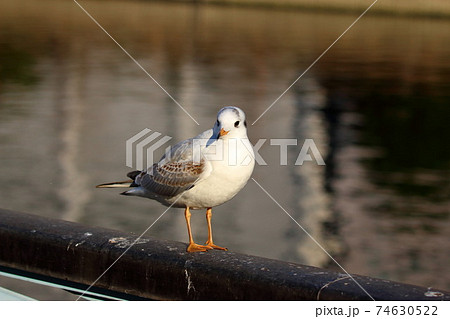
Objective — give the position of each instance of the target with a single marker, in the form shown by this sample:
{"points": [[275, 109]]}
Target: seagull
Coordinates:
{"points": [[199, 173]]}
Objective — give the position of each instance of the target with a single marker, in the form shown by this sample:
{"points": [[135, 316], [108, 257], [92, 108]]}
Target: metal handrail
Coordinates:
{"points": [[76, 255]]}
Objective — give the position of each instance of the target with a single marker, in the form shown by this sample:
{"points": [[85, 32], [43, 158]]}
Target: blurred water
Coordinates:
{"points": [[376, 105]]}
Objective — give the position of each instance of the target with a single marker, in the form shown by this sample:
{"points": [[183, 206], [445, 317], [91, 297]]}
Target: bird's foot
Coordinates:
{"points": [[193, 247], [213, 246]]}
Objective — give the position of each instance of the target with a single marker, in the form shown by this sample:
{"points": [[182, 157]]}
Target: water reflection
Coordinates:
{"points": [[19, 66], [376, 106]]}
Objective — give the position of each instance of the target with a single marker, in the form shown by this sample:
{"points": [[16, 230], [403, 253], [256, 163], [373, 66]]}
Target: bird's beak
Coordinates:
{"points": [[223, 132]]}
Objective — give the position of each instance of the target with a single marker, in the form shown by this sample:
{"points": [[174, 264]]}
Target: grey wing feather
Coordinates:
{"points": [[170, 179], [184, 151], [174, 173]]}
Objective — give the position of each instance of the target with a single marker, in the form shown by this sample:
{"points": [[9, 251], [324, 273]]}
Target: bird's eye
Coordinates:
{"points": [[236, 124]]}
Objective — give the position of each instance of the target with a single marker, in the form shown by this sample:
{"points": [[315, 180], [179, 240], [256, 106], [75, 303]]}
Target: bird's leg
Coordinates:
{"points": [[193, 247], [210, 242]]}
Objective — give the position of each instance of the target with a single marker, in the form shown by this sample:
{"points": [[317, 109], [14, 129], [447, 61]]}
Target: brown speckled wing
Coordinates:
{"points": [[177, 172], [171, 178]]}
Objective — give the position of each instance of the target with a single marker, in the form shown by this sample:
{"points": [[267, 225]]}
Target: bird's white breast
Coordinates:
{"points": [[231, 162]]}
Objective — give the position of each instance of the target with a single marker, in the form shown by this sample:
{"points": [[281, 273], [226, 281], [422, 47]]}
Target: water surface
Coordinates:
{"points": [[376, 105]]}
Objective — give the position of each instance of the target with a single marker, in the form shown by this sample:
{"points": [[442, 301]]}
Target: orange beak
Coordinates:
{"points": [[223, 132]]}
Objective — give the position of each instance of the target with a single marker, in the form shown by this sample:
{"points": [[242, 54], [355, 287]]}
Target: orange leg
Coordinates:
{"points": [[193, 247], [210, 242]]}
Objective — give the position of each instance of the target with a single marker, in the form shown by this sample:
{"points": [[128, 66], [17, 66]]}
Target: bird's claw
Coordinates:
{"points": [[196, 248], [213, 246]]}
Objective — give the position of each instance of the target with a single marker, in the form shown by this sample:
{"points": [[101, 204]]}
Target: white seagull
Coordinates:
{"points": [[201, 172]]}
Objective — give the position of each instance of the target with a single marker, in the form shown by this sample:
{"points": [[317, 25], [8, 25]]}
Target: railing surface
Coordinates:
{"points": [[76, 255]]}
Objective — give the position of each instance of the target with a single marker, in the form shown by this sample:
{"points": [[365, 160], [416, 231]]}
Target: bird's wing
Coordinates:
{"points": [[177, 171]]}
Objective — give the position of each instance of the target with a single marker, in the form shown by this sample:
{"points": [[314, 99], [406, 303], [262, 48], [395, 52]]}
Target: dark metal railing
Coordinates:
{"points": [[75, 255]]}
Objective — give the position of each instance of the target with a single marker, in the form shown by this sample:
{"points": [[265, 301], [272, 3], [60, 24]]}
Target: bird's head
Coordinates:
{"points": [[230, 123]]}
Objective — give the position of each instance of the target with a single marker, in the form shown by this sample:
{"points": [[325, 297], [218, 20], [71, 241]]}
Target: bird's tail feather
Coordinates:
{"points": [[124, 184]]}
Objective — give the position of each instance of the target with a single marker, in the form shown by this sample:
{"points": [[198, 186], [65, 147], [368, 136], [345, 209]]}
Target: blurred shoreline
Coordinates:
{"points": [[407, 8]]}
